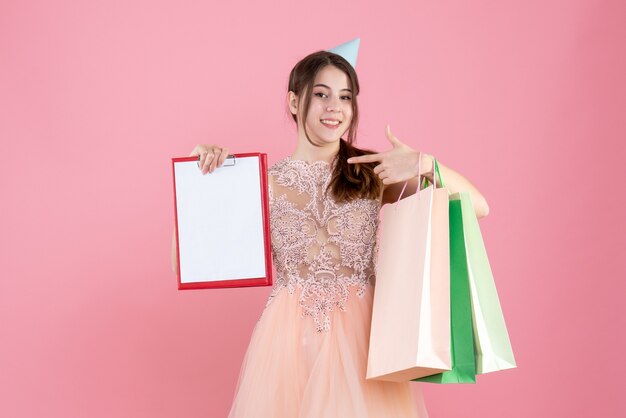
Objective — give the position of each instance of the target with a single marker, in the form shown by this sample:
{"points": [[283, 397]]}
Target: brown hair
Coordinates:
{"points": [[349, 181]]}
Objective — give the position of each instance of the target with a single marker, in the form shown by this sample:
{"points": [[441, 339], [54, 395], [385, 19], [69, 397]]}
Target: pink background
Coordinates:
{"points": [[527, 99]]}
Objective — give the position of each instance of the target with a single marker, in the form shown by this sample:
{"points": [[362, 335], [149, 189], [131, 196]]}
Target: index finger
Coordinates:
{"points": [[369, 158]]}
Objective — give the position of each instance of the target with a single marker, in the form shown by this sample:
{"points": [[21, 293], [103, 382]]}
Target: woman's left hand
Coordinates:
{"points": [[398, 164]]}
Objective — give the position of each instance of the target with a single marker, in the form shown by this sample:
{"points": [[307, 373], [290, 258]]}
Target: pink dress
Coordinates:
{"points": [[307, 356]]}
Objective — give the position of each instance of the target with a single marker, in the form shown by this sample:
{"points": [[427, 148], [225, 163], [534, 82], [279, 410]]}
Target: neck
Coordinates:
{"points": [[311, 153]]}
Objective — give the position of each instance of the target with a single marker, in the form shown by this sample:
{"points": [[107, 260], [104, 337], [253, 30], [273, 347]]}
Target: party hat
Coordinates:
{"points": [[348, 50]]}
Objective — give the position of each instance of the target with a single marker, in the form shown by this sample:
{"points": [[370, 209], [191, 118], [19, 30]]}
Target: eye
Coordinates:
{"points": [[346, 97], [320, 94]]}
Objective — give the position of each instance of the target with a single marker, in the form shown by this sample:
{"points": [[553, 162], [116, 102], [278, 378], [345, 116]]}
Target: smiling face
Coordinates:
{"points": [[330, 111]]}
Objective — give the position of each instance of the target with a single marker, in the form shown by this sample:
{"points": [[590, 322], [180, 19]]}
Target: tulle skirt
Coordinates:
{"points": [[292, 371]]}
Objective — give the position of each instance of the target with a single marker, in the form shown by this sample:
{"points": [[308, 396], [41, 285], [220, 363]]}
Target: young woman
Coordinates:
{"points": [[307, 355]]}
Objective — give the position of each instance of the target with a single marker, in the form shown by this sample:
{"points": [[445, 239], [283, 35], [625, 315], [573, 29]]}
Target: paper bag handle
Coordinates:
{"points": [[436, 172], [419, 170]]}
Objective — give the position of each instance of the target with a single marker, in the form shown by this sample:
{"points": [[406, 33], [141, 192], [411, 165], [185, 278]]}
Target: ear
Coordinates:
{"points": [[293, 102]]}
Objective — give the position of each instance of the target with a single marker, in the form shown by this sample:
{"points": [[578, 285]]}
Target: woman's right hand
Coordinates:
{"points": [[211, 157]]}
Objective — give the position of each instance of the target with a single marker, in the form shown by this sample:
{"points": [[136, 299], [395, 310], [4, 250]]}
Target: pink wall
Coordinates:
{"points": [[525, 98]]}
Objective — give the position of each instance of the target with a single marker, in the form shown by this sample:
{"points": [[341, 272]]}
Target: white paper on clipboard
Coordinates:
{"points": [[220, 221]]}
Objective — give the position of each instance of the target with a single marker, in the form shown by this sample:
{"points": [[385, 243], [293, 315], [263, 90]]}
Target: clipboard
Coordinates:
{"points": [[222, 223]]}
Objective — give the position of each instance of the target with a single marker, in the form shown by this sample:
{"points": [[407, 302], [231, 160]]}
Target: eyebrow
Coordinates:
{"points": [[324, 85]]}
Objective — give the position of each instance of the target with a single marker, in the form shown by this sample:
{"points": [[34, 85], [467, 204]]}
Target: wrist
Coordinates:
{"points": [[427, 165]]}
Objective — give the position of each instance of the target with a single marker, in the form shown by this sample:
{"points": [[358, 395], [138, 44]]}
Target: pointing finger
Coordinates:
{"points": [[369, 158]]}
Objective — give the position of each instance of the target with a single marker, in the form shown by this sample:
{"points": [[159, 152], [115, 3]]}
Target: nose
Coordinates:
{"points": [[334, 105]]}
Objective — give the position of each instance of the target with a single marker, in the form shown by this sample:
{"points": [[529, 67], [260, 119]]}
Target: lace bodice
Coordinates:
{"points": [[319, 245]]}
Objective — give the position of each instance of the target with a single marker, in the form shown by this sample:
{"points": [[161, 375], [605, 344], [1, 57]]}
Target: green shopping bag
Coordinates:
{"points": [[491, 339], [461, 327]]}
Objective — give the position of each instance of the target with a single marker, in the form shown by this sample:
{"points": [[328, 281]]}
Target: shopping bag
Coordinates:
{"points": [[462, 336], [491, 339], [410, 328]]}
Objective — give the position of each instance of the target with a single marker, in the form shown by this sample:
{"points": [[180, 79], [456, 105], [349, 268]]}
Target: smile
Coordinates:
{"points": [[331, 124]]}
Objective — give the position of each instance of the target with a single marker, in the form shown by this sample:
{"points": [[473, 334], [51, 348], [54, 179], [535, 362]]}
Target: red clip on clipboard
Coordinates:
{"points": [[222, 223]]}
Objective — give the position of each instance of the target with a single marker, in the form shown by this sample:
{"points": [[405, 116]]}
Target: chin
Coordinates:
{"points": [[323, 139], [332, 138]]}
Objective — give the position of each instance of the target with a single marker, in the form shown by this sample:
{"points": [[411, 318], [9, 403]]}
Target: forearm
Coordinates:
{"points": [[455, 182]]}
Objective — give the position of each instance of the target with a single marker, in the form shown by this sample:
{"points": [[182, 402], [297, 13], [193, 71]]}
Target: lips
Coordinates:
{"points": [[333, 125]]}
